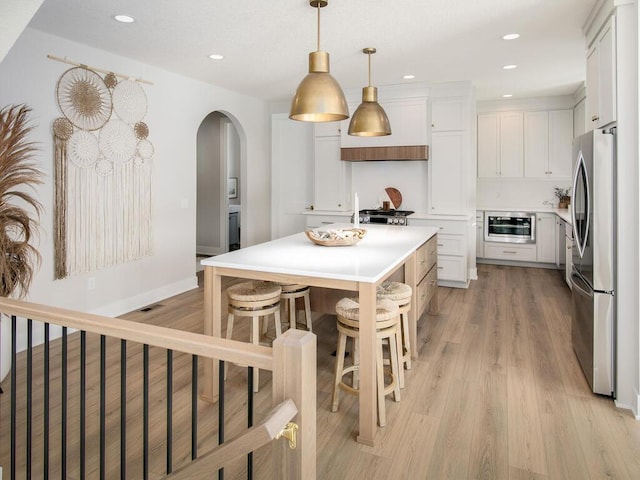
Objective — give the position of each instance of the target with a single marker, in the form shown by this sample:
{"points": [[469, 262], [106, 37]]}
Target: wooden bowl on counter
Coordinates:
{"points": [[336, 237]]}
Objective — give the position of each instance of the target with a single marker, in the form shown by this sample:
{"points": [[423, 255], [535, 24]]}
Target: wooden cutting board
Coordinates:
{"points": [[395, 196]]}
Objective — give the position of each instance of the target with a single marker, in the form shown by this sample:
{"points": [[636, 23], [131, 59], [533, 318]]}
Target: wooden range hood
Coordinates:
{"points": [[373, 154]]}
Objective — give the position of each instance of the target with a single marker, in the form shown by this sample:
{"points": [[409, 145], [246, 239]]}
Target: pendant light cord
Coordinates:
{"points": [[369, 55], [318, 35]]}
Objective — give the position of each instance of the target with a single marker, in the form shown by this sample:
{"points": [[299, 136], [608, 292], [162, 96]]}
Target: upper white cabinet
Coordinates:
{"points": [[448, 115], [500, 144], [327, 129], [601, 77], [331, 176], [547, 144], [449, 155], [408, 119]]}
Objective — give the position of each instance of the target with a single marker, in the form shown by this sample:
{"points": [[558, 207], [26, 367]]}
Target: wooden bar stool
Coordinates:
{"points": [[289, 296], [400, 293], [387, 327], [254, 299]]}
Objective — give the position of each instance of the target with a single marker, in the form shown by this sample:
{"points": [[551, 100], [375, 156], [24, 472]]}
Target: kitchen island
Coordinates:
{"points": [[358, 269]]}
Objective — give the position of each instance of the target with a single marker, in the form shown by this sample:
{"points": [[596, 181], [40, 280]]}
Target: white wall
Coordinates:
{"points": [[176, 107], [14, 17]]}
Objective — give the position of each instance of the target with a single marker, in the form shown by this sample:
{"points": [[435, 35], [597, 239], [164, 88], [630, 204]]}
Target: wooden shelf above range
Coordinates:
{"points": [[372, 154]]}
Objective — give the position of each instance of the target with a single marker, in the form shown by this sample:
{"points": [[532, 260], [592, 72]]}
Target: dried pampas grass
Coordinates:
{"points": [[19, 209]]}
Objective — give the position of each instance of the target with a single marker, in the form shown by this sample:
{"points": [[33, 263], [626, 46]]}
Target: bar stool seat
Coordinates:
{"points": [[387, 328], [400, 293], [256, 300], [290, 293]]}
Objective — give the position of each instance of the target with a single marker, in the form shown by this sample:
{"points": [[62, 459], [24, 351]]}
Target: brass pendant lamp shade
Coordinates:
{"points": [[369, 119], [319, 97]]}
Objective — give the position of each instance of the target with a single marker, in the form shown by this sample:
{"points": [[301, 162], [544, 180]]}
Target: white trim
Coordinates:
{"points": [[120, 307], [473, 274]]}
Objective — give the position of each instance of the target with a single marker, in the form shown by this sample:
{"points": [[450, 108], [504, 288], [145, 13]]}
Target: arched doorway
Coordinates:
{"points": [[219, 180]]}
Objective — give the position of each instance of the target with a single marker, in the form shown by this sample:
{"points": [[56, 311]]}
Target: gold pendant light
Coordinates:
{"points": [[370, 119], [319, 98]]}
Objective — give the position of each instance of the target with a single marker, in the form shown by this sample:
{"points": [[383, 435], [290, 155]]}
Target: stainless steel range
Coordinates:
{"points": [[389, 217]]}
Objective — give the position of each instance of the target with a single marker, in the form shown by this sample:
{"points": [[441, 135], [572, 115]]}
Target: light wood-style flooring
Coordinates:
{"points": [[496, 393]]}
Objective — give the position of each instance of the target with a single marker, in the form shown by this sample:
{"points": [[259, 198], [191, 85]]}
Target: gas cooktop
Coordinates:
{"points": [[390, 217]]}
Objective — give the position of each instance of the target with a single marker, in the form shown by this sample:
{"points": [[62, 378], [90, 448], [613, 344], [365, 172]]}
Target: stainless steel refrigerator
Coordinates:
{"points": [[593, 272]]}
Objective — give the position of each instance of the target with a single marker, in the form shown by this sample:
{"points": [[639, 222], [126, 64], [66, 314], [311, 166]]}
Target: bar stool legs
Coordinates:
{"points": [[289, 296], [256, 300], [387, 328]]}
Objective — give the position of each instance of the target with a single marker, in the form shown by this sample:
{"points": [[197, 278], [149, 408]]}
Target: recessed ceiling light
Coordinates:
{"points": [[510, 36], [509, 67], [124, 18], [216, 56], [408, 77], [507, 95]]}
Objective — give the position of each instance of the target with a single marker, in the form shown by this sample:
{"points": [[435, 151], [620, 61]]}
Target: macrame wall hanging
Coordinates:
{"points": [[102, 172]]}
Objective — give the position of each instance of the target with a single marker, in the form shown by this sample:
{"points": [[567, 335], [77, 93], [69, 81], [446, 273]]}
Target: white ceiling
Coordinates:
{"points": [[266, 43]]}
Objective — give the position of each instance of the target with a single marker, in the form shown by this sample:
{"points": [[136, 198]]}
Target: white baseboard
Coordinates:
{"points": [[473, 274], [147, 298], [635, 409], [208, 250]]}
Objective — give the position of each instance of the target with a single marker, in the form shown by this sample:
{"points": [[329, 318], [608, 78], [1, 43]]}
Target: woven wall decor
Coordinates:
{"points": [[102, 168]]}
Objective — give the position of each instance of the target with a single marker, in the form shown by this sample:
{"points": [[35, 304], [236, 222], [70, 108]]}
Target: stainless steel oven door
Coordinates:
{"points": [[510, 227]]}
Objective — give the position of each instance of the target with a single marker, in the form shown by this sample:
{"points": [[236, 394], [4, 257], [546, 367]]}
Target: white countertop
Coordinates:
{"points": [[382, 250], [563, 213]]}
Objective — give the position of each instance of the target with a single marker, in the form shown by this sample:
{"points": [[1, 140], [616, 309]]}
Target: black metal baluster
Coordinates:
{"points": [[29, 393], [103, 392], [123, 409], [250, 418], [221, 411], [63, 453], [83, 402], [169, 409], [194, 407], [45, 433], [145, 412], [14, 385]]}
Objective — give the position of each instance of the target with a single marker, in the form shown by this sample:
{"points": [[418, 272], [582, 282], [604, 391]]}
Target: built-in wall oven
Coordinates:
{"points": [[510, 227]]}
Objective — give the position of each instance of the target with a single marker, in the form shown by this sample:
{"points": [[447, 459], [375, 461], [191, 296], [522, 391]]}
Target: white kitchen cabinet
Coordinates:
{"points": [[579, 115], [500, 145], [601, 77], [546, 237], [479, 234], [569, 253], [408, 120], [548, 138], [521, 252], [332, 176], [448, 114], [327, 129], [448, 174], [452, 249], [316, 221]]}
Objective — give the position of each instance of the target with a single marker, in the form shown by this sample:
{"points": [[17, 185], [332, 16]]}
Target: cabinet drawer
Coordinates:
{"points": [[315, 221], [451, 244], [452, 268], [427, 256], [426, 288], [509, 251]]}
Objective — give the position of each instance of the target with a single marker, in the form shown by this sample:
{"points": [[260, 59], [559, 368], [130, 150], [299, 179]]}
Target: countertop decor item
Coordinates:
{"points": [[395, 196], [563, 195], [336, 237]]}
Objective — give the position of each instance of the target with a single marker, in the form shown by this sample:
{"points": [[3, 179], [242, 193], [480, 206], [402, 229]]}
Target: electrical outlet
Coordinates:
{"points": [[91, 284]]}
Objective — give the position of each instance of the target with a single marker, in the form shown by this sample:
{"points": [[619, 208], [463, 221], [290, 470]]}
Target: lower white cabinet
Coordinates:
{"points": [[452, 249], [479, 234], [520, 252], [546, 237], [320, 220]]}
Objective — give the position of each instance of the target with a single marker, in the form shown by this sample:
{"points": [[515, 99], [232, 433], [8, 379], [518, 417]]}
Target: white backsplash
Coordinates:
{"points": [[517, 193], [369, 179]]}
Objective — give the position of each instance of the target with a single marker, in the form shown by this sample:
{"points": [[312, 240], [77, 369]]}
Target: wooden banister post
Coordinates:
{"points": [[294, 376]]}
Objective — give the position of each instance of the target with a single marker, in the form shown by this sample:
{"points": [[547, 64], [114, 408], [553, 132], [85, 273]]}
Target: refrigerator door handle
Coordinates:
{"points": [[581, 240]]}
